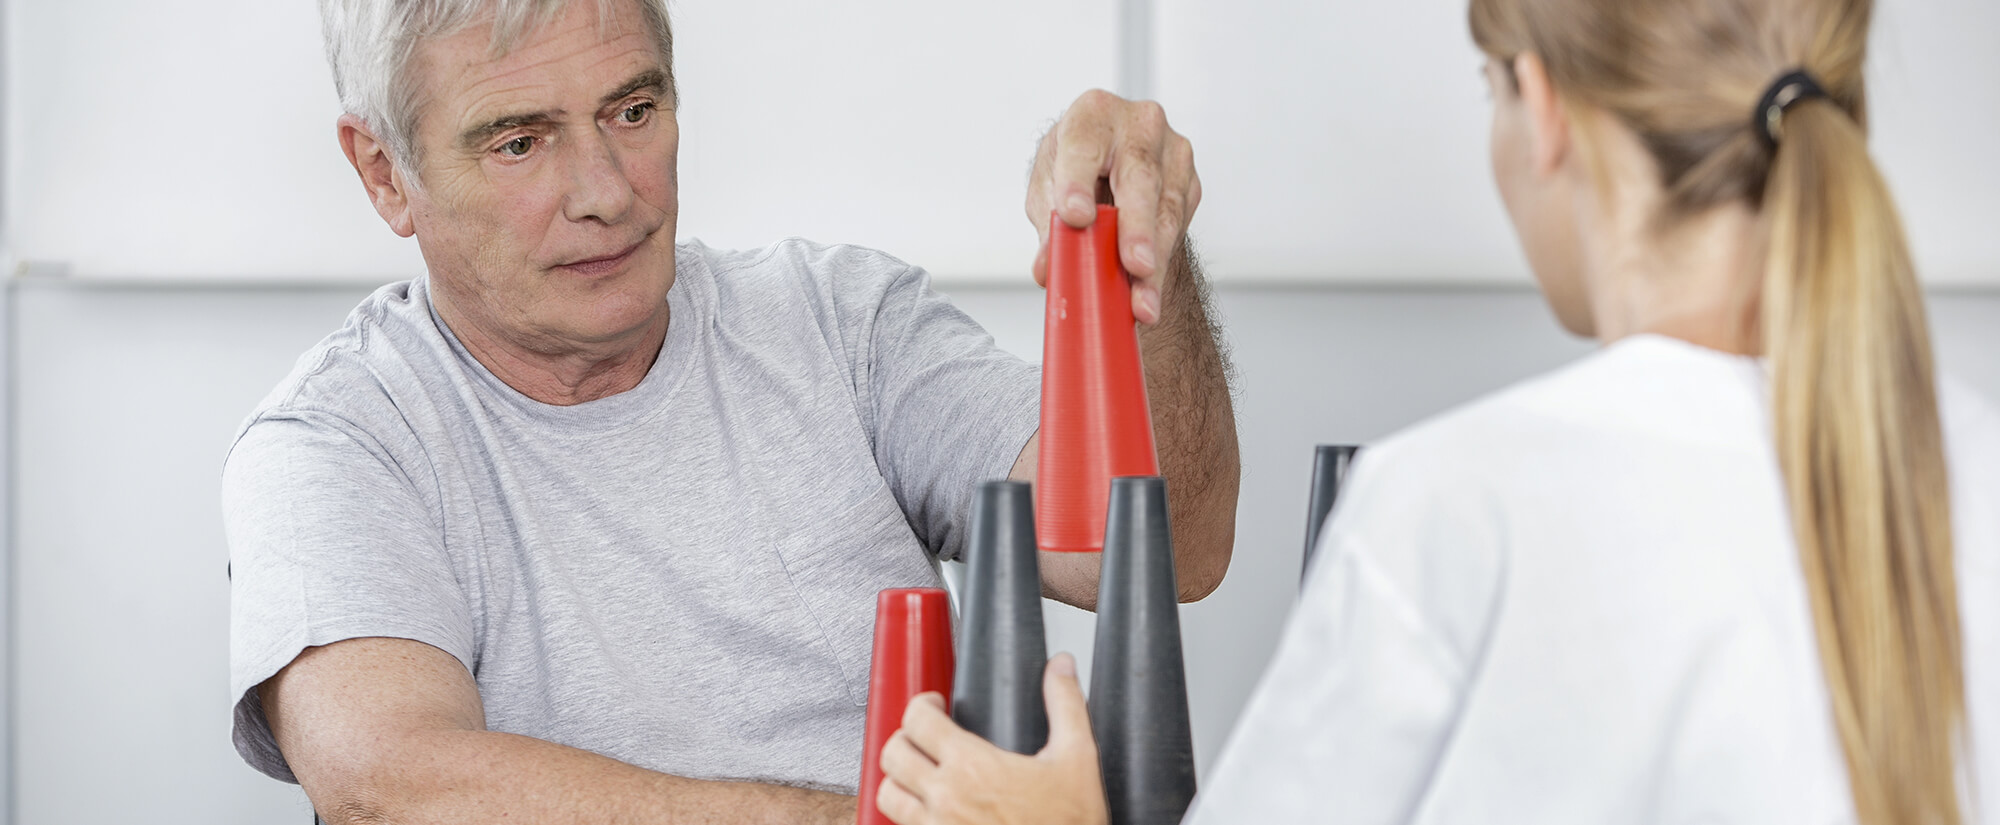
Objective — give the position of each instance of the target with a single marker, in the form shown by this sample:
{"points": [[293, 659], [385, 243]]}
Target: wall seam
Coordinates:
{"points": [[1135, 49]]}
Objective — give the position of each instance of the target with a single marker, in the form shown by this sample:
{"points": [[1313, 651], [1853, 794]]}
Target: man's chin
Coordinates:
{"points": [[627, 315]]}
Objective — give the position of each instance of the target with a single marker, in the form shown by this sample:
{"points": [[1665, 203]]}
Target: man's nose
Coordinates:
{"points": [[598, 186]]}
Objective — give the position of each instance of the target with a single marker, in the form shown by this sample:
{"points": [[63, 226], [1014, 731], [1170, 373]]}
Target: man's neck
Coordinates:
{"points": [[560, 373]]}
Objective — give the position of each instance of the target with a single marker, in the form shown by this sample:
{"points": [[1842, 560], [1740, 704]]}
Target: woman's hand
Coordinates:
{"points": [[936, 773]]}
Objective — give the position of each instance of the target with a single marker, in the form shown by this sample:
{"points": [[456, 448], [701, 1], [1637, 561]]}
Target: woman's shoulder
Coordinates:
{"points": [[1641, 390]]}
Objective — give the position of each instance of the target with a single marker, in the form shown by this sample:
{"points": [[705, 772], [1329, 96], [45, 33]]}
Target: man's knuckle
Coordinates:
{"points": [[1139, 172]]}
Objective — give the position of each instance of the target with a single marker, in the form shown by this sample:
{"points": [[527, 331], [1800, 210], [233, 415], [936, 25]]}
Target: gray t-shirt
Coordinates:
{"points": [[681, 576]]}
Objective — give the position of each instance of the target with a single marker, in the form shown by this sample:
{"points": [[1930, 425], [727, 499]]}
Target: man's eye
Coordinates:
{"points": [[518, 146], [635, 114]]}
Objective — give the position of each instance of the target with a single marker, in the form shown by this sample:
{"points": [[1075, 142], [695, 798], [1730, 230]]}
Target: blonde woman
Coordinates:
{"points": [[1741, 565]]}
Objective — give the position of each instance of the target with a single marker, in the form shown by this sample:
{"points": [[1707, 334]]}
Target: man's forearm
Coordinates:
{"points": [[483, 777], [1194, 426]]}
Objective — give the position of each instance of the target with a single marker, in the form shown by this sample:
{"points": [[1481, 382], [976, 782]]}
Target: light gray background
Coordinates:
{"points": [[130, 393], [1342, 144], [1338, 141]]}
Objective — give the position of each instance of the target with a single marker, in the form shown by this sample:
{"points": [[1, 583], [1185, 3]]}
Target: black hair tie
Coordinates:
{"points": [[1783, 94]]}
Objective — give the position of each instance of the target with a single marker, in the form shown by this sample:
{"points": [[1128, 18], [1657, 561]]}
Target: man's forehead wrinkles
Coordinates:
{"points": [[517, 79], [648, 62], [504, 103]]}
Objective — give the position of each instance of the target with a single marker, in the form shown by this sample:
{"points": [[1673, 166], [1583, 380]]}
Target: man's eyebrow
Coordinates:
{"points": [[650, 80], [477, 136]]}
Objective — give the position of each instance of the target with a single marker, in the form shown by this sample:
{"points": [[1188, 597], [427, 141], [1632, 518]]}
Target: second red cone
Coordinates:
{"points": [[1096, 423]]}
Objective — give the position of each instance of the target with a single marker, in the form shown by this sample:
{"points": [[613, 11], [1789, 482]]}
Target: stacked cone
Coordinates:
{"points": [[1138, 687], [913, 655], [1330, 463], [1096, 424], [1097, 490], [998, 690]]}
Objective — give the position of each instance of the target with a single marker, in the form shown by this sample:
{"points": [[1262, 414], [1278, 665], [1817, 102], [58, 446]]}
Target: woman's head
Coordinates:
{"points": [[1617, 119], [1649, 109]]}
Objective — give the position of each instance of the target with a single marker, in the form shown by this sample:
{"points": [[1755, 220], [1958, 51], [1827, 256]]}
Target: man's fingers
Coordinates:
{"points": [[1180, 158], [1040, 178], [898, 804], [1146, 301], [903, 762], [1069, 716], [1137, 180], [1180, 191], [1082, 155]]}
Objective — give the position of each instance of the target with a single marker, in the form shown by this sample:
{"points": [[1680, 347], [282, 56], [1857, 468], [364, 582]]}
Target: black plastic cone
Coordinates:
{"points": [[998, 690], [1138, 689], [1330, 463]]}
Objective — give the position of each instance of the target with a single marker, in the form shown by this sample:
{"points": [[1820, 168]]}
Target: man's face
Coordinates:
{"points": [[548, 199]]}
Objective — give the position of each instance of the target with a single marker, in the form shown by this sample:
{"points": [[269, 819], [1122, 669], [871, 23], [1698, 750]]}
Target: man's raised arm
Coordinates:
{"points": [[392, 731]]}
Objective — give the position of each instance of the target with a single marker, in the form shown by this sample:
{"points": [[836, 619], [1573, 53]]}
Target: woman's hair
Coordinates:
{"points": [[1842, 322]]}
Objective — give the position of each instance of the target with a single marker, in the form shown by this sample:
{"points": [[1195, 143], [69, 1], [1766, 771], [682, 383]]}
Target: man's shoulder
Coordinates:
{"points": [[387, 347], [822, 275]]}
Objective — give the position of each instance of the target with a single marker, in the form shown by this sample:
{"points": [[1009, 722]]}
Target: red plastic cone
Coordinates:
{"points": [[912, 655], [1096, 424]]}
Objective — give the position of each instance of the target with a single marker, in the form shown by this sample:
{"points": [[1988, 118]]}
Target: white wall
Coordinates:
{"points": [[195, 140], [1347, 141], [1338, 141], [129, 395]]}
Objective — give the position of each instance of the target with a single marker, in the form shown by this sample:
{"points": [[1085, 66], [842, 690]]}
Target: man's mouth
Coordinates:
{"points": [[602, 264]]}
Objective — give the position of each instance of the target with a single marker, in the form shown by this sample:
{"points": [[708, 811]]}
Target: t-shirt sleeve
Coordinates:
{"points": [[328, 540], [948, 408], [1358, 707]]}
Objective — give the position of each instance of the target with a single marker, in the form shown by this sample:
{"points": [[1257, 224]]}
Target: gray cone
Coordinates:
{"points": [[1138, 689], [1330, 463], [997, 692]]}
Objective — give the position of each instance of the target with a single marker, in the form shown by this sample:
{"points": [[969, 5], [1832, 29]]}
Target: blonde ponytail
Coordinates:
{"points": [[1842, 318], [1862, 455]]}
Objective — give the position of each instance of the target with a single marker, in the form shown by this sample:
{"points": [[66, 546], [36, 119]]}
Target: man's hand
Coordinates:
{"points": [[1150, 169], [1153, 183], [936, 773]]}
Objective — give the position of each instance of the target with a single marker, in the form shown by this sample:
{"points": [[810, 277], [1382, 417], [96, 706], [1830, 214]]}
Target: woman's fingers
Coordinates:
{"points": [[898, 804], [929, 728], [905, 763], [1069, 714]]}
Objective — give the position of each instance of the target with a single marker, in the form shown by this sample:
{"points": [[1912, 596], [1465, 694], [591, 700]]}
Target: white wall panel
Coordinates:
{"points": [[905, 125], [1341, 141], [1347, 141], [1337, 141], [1935, 95], [183, 140], [196, 140]]}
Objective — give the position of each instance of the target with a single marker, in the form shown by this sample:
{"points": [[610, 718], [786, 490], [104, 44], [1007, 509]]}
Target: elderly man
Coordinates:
{"points": [[587, 527]]}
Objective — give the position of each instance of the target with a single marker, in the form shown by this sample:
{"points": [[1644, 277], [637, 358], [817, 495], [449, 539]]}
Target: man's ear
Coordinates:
{"points": [[385, 185], [1548, 119]]}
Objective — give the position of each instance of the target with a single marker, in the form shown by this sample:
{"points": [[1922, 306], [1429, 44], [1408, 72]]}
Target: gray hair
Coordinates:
{"points": [[369, 44]]}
